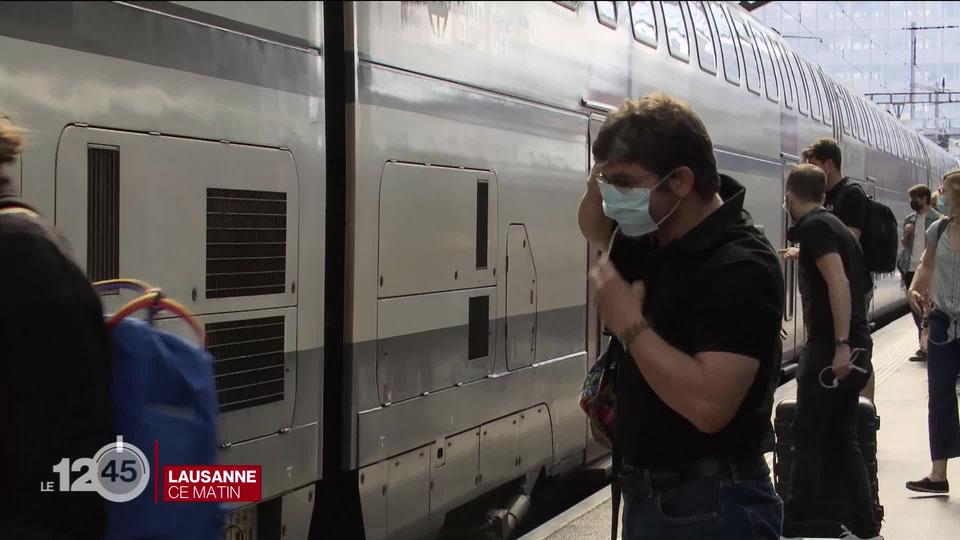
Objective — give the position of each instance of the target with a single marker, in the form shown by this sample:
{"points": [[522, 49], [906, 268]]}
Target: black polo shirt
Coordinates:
{"points": [[853, 204], [718, 288], [820, 233]]}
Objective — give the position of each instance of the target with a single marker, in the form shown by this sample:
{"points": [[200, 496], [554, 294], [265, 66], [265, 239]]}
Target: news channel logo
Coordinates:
{"points": [[119, 472]]}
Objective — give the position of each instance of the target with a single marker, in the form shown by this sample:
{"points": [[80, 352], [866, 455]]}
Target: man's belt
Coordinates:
{"points": [[641, 481]]}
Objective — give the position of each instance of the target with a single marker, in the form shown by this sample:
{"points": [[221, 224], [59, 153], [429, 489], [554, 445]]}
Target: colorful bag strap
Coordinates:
{"points": [[150, 299]]}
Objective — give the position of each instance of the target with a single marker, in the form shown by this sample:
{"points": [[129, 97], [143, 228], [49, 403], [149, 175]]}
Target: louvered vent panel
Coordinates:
{"points": [[248, 361], [103, 213], [246, 242]]}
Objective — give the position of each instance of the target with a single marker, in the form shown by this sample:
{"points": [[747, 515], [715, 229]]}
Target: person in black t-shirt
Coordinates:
{"points": [[834, 363], [846, 201], [694, 293]]}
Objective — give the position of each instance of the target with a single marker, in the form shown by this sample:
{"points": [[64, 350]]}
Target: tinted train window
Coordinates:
{"points": [[822, 89], [800, 78], [705, 49], [885, 130], [845, 120], [789, 88], [728, 50], [862, 111], [607, 13], [872, 125], [769, 72], [751, 64], [644, 22], [677, 40], [815, 92]]}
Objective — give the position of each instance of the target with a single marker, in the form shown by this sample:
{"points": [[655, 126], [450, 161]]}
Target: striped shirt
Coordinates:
{"points": [[946, 278]]}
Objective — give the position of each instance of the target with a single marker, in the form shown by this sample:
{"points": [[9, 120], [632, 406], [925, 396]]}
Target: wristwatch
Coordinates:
{"points": [[840, 342], [630, 334]]}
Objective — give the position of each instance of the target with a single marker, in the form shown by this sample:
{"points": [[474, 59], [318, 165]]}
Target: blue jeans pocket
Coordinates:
{"points": [[697, 502]]}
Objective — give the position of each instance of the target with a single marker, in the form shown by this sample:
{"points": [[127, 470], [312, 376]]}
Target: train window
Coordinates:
{"points": [[766, 61], [607, 13], [885, 129], [877, 143], [857, 127], [859, 130], [862, 114], [570, 5], [813, 89], [822, 90], [677, 40], [789, 87], [750, 61], [842, 109], [728, 50], [803, 98], [872, 124], [644, 23], [701, 27]]}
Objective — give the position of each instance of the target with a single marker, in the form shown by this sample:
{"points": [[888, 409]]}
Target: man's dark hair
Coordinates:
{"points": [[824, 149], [807, 182], [920, 191], [660, 133]]}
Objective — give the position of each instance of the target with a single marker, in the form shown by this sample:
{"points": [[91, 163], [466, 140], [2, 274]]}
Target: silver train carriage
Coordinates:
{"points": [[371, 208]]}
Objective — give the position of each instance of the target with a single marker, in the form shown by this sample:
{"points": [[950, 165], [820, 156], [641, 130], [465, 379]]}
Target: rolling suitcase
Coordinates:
{"points": [[829, 505]]}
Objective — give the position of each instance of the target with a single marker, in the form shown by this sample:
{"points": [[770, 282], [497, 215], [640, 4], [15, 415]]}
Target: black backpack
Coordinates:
{"points": [[878, 238]]}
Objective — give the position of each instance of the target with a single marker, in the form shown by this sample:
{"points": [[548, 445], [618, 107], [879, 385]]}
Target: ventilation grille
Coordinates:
{"points": [[103, 213], [246, 242], [248, 361]]}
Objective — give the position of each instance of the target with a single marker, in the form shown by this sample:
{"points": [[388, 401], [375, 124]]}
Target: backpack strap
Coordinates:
{"points": [[841, 196], [942, 225], [615, 513]]}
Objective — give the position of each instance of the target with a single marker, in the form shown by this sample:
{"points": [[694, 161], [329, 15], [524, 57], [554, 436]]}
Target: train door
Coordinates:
{"points": [[793, 332], [594, 325]]}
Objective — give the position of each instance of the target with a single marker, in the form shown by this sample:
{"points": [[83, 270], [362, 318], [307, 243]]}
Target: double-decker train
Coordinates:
{"points": [[371, 208]]}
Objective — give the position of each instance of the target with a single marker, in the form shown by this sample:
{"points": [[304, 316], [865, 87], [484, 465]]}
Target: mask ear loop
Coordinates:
{"points": [[836, 382], [674, 209], [612, 238]]}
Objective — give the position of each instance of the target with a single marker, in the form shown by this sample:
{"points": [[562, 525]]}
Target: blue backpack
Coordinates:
{"points": [[164, 401]]}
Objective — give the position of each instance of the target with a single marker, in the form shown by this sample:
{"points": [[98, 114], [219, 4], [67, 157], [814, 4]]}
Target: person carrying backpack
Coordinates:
{"points": [[936, 285], [54, 395], [871, 223]]}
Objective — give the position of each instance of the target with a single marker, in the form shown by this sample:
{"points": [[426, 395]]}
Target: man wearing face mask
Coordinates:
{"points": [[834, 363], [693, 294], [914, 244]]}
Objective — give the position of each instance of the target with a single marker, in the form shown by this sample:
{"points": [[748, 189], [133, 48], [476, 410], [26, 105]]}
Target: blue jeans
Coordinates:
{"points": [[706, 509], [943, 366]]}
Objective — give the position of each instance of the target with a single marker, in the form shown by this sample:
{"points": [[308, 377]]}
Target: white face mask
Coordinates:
{"points": [[836, 382], [630, 208]]}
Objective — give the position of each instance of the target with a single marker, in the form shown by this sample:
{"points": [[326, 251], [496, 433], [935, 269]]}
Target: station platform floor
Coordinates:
{"points": [[903, 454]]}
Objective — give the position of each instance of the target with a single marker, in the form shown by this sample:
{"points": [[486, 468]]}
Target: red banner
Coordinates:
{"points": [[211, 483]]}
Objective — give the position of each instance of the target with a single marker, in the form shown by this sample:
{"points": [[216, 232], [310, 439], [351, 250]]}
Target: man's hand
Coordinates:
{"points": [[791, 253], [594, 174], [841, 362], [619, 302], [908, 229]]}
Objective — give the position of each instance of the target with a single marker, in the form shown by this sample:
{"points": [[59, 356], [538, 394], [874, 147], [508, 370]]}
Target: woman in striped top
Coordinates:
{"points": [[937, 284]]}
